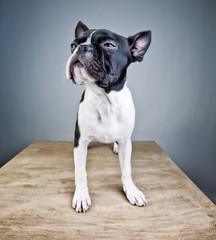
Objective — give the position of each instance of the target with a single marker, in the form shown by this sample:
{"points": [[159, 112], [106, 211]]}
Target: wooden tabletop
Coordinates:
{"points": [[36, 188]]}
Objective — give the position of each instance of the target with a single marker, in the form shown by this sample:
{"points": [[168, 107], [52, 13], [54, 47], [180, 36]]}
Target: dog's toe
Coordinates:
{"points": [[134, 195], [81, 200], [141, 201]]}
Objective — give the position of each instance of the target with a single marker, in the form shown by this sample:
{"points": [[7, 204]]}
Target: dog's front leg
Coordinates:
{"points": [[134, 195], [81, 200]]}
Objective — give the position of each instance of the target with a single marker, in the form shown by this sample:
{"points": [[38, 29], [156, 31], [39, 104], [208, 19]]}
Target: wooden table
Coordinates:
{"points": [[36, 188]]}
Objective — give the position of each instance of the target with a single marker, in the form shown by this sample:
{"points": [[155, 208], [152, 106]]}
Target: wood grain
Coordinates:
{"points": [[36, 188]]}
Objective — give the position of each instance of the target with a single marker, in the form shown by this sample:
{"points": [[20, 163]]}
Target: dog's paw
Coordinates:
{"points": [[81, 200], [115, 147], [134, 195]]}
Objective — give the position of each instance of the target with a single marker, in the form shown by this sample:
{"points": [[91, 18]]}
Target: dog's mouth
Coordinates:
{"points": [[78, 64], [75, 64], [103, 84]]}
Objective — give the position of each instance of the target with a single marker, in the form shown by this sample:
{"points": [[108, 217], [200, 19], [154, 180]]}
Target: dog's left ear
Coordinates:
{"points": [[80, 29], [139, 44]]}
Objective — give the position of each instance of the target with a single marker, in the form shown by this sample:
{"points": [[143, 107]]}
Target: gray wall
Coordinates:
{"points": [[173, 89]]}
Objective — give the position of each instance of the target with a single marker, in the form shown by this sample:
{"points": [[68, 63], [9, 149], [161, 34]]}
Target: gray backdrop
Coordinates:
{"points": [[173, 88]]}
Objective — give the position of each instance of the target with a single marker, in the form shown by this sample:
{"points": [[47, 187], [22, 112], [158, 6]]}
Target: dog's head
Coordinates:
{"points": [[101, 57]]}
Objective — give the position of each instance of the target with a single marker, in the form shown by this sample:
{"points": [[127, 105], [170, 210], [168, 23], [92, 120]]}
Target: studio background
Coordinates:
{"points": [[174, 88]]}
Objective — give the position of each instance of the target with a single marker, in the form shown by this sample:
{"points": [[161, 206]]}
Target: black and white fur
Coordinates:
{"points": [[106, 112]]}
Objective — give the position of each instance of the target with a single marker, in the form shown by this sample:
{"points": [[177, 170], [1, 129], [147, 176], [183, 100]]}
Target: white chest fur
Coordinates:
{"points": [[106, 117]]}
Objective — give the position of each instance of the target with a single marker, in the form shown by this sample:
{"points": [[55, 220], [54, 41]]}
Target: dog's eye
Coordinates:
{"points": [[73, 46], [109, 45]]}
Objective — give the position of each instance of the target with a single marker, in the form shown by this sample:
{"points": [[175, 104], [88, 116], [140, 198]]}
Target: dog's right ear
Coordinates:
{"points": [[139, 44], [80, 29]]}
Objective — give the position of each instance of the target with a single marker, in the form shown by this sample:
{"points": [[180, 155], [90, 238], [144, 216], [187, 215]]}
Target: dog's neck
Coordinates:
{"points": [[102, 95], [116, 86]]}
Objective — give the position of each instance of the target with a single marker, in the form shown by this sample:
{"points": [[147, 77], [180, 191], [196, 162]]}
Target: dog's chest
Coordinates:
{"points": [[107, 118]]}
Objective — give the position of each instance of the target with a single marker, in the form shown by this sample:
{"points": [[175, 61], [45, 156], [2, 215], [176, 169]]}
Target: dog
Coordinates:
{"points": [[99, 61]]}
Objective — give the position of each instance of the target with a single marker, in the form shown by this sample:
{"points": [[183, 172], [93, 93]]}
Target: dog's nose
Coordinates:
{"points": [[85, 48]]}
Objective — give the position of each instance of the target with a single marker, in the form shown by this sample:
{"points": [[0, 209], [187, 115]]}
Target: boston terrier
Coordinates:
{"points": [[99, 61]]}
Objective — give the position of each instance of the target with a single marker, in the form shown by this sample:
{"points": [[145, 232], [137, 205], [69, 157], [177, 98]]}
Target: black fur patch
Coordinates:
{"points": [[117, 86], [76, 134], [77, 131], [82, 98]]}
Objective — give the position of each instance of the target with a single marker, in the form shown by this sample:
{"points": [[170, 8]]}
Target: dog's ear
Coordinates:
{"points": [[139, 44], [80, 29]]}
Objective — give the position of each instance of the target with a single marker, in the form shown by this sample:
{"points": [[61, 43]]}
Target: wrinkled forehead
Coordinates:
{"points": [[97, 36]]}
